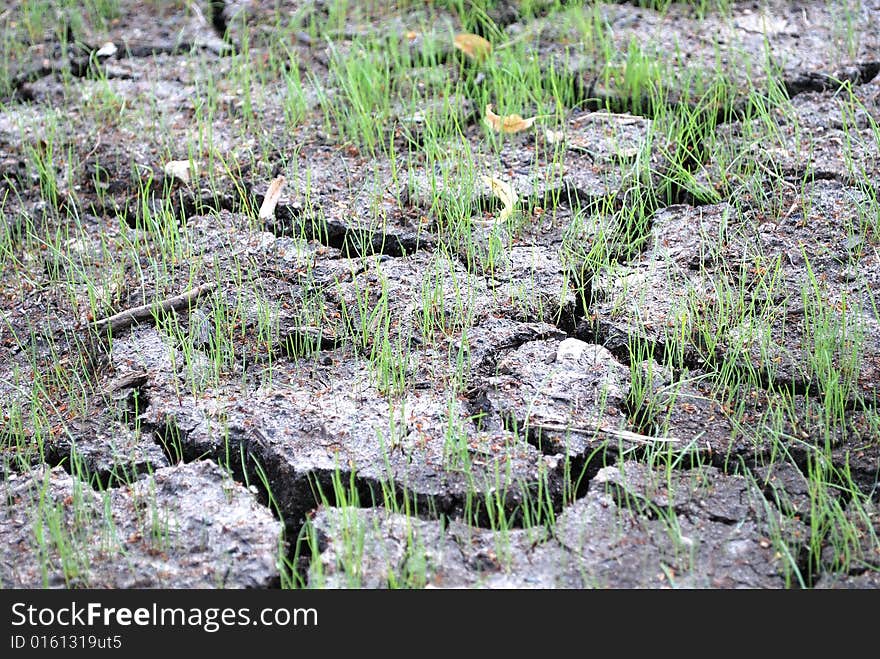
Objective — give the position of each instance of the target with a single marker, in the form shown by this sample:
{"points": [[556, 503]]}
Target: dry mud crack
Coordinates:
{"points": [[635, 345]]}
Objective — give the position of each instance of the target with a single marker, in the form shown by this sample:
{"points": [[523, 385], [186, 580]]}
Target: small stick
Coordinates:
{"points": [[620, 434], [623, 119], [270, 201], [126, 318]]}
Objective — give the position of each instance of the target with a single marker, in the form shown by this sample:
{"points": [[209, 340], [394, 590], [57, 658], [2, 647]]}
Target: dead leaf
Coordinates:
{"points": [[473, 45], [504, 192], [180, 169], [273, 194], [510, 123]]}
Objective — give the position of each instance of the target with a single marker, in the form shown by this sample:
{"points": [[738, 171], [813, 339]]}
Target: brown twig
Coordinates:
{"points": [[126, 318], [625, 435]]}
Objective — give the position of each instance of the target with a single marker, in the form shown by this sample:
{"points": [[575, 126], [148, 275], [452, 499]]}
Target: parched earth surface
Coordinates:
{"points": [[512, 424]]}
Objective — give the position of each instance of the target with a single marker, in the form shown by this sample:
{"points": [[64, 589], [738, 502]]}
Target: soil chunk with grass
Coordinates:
{"points": [[185, 526]]}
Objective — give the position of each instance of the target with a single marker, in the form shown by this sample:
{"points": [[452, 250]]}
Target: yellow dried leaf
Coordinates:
{"points": [[473, 45], [504, 192], [273, 194], [509, 123]]}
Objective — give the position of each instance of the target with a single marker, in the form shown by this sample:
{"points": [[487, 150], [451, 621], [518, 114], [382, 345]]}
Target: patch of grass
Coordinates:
{"points": [[376, 121]]}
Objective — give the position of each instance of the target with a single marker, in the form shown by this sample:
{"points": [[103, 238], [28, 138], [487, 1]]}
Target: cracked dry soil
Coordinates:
{"points": [[186, 476]]}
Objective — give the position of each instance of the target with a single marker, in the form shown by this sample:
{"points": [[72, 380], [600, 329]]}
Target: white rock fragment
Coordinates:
{"points": [[107, 49], [570, 349], [554, 136]]}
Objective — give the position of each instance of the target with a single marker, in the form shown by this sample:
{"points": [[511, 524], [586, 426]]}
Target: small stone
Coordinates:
{"points": [[108, 49], [570, 349]]}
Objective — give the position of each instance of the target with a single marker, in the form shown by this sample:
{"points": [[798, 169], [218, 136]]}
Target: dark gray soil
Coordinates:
{"points": [[187, 526], [617, 536], [564, 391]]}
